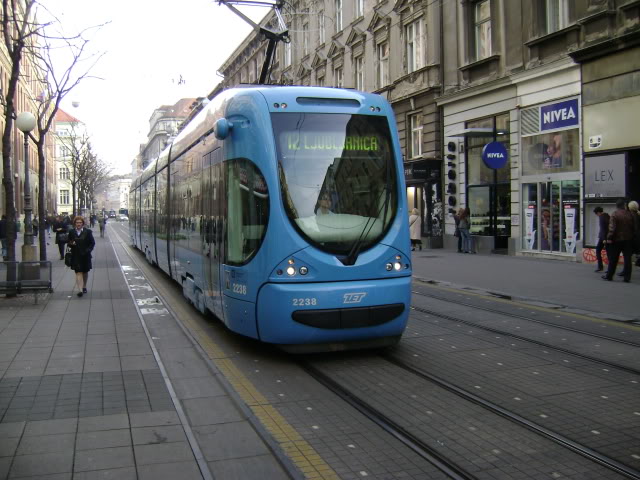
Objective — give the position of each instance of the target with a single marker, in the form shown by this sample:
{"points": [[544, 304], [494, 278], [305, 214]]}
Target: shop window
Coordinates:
{"points": [[477, 172], [551, 153], [551, 215], [489, 190]]}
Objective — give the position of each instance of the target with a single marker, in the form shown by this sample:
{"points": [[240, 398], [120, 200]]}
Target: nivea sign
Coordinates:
{"points": [[559, 115], [494, 155]]}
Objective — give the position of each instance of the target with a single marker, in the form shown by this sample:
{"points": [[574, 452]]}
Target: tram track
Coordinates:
{"points": [[523, 317], [470, 323], [450, 466]]}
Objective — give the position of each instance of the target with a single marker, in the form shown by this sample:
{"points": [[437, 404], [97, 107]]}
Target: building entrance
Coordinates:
{"points": [[551, 216]]}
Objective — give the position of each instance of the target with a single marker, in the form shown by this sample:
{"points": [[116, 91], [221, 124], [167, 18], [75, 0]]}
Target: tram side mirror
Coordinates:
{"points": [[222, 128]]}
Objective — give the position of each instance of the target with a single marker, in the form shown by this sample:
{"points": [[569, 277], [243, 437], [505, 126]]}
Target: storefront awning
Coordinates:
{"points": [[478, 132]]}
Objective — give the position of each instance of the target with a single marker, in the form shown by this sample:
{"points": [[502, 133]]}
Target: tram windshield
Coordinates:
{"points": [[338, 178]]}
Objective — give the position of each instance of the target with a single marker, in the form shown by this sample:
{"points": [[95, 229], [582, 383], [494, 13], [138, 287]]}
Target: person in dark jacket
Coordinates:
{"points": [[60, 228], [603, 222], [620, 238], [81, 242], [635, 210], [3, 236]]}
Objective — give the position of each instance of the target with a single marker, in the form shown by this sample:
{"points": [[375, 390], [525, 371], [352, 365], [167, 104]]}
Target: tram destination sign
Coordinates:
{"points": [[324, 141]]}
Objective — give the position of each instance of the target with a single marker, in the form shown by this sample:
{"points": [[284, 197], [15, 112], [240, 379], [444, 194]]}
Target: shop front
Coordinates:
{"points": [[424, 192], [488, 185], [550, 178]]}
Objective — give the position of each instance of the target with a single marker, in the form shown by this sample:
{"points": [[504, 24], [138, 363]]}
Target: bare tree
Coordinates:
{"points": [[18, 30], [58, 80]]}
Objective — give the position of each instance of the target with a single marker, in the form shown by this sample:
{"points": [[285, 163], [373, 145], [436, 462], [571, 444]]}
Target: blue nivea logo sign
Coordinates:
{"points": [[559, 115], [494, 155]]}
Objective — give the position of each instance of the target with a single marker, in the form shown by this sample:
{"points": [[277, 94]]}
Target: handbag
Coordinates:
{"points": [[67, 258], [63, 237]]}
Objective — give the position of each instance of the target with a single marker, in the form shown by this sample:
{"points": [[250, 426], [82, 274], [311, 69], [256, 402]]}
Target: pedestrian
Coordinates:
{"points": [[3, 237], [81, 242], [603, 223], [456, 218], [415, 229], [633, 208], [62, 234], [620, 240], [102, 223], [463, 226], [34, 226]]}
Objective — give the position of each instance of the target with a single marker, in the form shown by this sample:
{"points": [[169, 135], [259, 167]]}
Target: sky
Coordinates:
{"points": [[155, 52]]}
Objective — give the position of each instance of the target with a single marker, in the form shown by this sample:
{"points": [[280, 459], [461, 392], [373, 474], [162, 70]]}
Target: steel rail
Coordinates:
{"points": [[418, 446], [532, 426]]}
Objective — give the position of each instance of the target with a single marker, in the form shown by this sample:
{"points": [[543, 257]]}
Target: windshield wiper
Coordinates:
{"points": [[357, 245]]}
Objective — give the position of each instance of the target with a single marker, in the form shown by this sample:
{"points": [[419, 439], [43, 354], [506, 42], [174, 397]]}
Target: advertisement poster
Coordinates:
{"points": [[530, 232], [571, 236]]}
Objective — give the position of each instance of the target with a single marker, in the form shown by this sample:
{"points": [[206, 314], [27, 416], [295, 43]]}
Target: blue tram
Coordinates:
{"points": [[282, 211]]}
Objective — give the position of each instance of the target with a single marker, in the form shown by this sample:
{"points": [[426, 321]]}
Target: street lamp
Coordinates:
{"points": [[26, 122]]}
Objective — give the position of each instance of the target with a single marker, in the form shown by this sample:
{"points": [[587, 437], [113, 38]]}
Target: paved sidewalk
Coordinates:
{"points": [[85, 393], [574, 286]]}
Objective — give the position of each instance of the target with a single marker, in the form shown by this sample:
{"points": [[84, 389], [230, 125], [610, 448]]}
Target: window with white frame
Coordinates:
{"points": [[414, 42], [338, 77], [65, 174], [359, 70], [557, 15], [287, 54], [382, 68], [482, 29], [64, 196], [321, 31], [359, 8], [415, 121], [338, 7], [65, 151], [305, 38]]}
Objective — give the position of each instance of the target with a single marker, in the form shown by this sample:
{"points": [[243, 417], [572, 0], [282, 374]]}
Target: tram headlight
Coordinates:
{"points": [[389, 267], [397, 266], [303, 270], [291, 271]]}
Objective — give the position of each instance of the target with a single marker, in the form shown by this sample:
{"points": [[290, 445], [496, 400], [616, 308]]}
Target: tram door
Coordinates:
{"points": [[211, 245]]}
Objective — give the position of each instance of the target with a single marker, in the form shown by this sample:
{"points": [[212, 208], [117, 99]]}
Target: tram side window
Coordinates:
{"points": [[161, 207], [248, 210]]}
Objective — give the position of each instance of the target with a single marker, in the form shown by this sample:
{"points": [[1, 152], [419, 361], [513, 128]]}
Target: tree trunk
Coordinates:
{"points": [[42, 213]]}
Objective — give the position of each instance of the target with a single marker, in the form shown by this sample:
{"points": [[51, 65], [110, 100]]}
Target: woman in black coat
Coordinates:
{"points": [[81, 242]]}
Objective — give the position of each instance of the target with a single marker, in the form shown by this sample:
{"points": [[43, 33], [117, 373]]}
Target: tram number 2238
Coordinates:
{"points": [[304, 302], [239, 289]]}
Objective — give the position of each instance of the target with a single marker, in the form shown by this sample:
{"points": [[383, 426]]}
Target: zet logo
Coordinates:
{"points": [[354, 297]]}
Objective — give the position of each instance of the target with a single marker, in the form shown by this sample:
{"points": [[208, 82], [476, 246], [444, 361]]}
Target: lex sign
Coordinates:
{"points": [[559, 115]]}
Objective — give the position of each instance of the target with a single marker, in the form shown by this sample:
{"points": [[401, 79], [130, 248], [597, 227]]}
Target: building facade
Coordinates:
{"points": [[68, 131], [468, 79], [391, 48], [164, 125]]}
